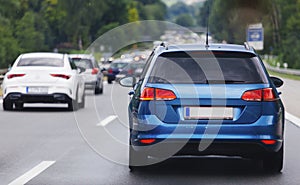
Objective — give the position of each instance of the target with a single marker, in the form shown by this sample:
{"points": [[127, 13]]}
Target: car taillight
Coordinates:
{"points": [[130, 71], [147, 94], [147, 141], [268, 141], [269, 95], [110, 71], [10, 76], [266, 94], [150, 93], [95, 71], [61, 76]]}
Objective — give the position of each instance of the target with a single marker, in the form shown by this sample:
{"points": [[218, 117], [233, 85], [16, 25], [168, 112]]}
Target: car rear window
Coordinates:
{"points": [[85, 63], [118, 65], [208, 67], [41, 62]]}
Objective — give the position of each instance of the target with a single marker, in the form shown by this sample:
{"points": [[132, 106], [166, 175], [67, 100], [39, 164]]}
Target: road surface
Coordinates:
{"points": [[42, 145]]}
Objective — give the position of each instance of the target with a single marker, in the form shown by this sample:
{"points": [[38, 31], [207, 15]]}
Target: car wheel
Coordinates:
{"points": [[73, 104], [7, 104], [137, 159], [274, 163], [98, 89], [82, 104], [109, 81], [101, 89], [19, 105]]}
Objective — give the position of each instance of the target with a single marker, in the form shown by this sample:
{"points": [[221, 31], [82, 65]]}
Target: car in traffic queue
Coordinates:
{"points": [[133, 69], [93, 76], [199, 100], [115, 68], [43, 78]]}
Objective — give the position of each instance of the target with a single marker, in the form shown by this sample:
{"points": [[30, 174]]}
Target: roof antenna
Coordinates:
{"points": [[206, 45]]}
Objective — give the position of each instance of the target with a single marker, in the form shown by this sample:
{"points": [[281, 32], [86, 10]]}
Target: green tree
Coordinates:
{"points": [[9, 48], [290, 29], [229, 19], [133, 14], [151, 10], [29, 36], [185, 20]]}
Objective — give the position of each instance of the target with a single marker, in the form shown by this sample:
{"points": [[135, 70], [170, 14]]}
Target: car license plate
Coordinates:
{"points": [[37, 90], [208, 113]]}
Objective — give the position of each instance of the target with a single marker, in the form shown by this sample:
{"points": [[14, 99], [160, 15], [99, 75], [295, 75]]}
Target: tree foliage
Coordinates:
{"points": [[185, 20], [228, 20], [42, 25]]}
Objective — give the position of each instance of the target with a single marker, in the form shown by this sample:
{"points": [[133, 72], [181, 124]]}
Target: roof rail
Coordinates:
{"points": [[165, 45], [247, 46], [160, 47]]}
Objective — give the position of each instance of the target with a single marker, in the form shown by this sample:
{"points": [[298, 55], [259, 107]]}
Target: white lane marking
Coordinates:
{"points": [[1, 101], [107, 120], [295, 120], [32, 173]]}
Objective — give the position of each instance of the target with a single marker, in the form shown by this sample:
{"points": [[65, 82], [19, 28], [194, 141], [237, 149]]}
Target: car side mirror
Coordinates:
{"points": [[277, 81], [129, 81]]}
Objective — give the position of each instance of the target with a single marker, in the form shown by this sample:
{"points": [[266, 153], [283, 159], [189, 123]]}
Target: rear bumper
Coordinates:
{"points": [[222, 139], [52, 89], [111, 76], [242, 148], [90, 85], [32, 98]]}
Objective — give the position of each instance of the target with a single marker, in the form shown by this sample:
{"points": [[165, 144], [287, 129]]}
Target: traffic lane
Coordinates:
{"points": [[40, 133], [290, 96], [32, 136], [83, 166], [37, 133], [77, 163]]}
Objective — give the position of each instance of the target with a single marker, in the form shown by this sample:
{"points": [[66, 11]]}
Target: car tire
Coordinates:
{"points": [[82, 104], [73, 105], [274, 163], [109, 81], [136, 159], [98, 89], [7, 104], [19, 105]]}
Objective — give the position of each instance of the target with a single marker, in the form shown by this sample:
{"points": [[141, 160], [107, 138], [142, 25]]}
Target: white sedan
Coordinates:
{"points": [[43, 78]]}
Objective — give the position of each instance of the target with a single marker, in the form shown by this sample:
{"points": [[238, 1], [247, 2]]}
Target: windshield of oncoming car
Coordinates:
{"points": [[180, 68], [41, 62]]}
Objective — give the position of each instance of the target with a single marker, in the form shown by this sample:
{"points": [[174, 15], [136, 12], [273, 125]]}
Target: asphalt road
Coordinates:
{"points": [[52, 146]]}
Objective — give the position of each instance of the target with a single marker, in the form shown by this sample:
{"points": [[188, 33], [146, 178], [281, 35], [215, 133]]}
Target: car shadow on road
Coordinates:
{"points": [[43, 109], [205, 166]]}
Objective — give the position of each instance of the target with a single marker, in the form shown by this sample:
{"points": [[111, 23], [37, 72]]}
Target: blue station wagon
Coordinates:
{"points": [[197, 100]]}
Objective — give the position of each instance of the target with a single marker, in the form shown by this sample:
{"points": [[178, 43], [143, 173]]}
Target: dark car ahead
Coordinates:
{"points": [[133, 69], [114, 69], [198, 100]]}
